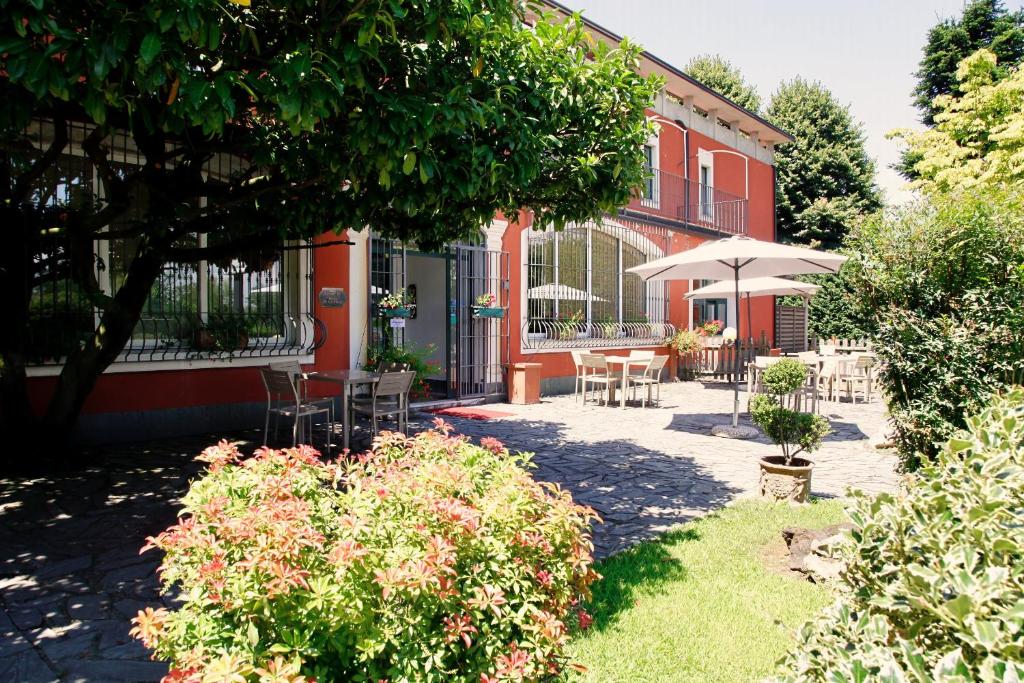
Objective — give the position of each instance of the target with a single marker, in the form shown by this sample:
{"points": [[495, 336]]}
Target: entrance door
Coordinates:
{"points": [[480, 344]]}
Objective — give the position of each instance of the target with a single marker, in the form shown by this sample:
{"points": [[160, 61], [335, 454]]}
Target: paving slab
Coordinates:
{"points": [[71, 575]]}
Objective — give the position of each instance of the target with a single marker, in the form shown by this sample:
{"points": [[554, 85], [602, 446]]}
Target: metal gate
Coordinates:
{"points": [[478, 347], [387, 276], [481, 344]]}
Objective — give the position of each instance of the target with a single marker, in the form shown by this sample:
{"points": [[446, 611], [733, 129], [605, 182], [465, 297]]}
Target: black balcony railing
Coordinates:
{"points": [[675, 198]]}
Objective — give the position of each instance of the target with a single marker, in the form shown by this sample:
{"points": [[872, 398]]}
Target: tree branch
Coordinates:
{"points": [[26, 181]]}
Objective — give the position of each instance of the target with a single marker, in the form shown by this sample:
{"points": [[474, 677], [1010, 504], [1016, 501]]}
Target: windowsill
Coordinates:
{"points": [[653, 343], [119, 367]]}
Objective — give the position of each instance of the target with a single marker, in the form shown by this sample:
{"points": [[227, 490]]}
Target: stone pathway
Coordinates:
{"points": [[71, 576]]}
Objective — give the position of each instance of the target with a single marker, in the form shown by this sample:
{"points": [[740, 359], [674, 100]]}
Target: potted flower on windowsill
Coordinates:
{"points": [[221, 335], [786, 477], [485, 307], [396, 305]]}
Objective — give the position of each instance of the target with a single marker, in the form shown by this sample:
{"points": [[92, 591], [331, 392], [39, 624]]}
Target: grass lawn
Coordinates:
{"points": [[700, 604]]}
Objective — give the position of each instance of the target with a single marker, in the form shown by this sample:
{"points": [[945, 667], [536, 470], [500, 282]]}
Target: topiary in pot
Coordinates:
{"points": [[786, 477]]}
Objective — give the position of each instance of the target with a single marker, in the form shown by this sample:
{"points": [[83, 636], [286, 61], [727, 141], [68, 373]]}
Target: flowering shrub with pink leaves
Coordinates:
{"points": [[427, 559]]}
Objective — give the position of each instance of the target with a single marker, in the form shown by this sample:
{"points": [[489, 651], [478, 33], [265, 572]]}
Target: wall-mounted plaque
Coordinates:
{"points": [[332, 297]]}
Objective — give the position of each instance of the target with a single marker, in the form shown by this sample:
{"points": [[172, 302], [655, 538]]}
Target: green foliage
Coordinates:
{"points": [[795, 432], [834, 311], [984, 24], [428, 559], [784, 377], [933, 578], [721, 76], [978, 138], [416, 358], [944, 281], [825, 178], [686, 341], [419, 118]]}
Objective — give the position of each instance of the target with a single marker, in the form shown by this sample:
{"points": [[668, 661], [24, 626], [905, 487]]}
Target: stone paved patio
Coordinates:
{"points": [[71, 575]]}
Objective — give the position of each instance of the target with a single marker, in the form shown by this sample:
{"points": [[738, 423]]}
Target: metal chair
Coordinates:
{"points": [[390, 397], [599, 375], [650, 378], [861, 376], [301, 377], [284, 400], [577, 361]]}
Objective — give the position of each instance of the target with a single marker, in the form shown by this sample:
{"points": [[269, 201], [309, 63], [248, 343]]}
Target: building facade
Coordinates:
{"points": [[712, 175]]}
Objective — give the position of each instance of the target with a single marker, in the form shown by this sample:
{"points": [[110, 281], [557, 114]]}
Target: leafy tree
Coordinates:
{"points": [[943, 281], [978, 138], [984, 24], [721, 76], [417, 117], [825, 178]]}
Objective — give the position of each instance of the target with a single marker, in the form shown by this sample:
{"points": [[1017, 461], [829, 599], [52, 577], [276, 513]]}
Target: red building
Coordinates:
{"points": [[712, 175]]}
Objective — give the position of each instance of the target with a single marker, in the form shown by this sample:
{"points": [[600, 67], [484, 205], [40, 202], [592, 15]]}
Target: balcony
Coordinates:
{"points": [[674, 198]]}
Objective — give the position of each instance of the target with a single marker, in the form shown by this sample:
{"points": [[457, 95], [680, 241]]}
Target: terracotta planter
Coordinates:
{"points": [[785, 482]]}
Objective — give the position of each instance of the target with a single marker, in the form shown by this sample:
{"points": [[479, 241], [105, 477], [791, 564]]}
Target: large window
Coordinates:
{"points": [[250, 305], [579, 293]]}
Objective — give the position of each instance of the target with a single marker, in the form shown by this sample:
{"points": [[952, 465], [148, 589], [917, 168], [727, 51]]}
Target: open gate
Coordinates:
{"points": [[477, 348]]}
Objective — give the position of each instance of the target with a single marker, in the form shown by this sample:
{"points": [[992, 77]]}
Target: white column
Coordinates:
{"points": [[358, 296]]}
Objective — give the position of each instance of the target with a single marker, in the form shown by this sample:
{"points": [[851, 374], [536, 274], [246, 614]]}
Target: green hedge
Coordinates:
{"points": [[944, 283], [933, 587]]}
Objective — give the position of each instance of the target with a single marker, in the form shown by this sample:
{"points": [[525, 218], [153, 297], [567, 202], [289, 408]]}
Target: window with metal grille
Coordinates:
{"points": [[579, 293], [254, 304]]}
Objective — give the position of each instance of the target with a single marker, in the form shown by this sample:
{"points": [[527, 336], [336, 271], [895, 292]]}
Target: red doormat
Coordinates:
{"points": [[471, 413]]}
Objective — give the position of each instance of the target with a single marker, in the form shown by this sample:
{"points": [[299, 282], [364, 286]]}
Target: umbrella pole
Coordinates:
{"points": [[736, 352]]}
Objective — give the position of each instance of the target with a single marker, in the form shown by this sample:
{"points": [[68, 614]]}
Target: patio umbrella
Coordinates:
{"points": [[562, 293], [759, 286], [731, 257]]}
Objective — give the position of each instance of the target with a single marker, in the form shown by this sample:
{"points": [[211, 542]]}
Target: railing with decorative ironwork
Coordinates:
{"points": [[565, 334], [255, 305], [675, 198]]}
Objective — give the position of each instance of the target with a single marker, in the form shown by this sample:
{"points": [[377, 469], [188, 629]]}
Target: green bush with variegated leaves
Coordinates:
{"points": [[933, 587]]}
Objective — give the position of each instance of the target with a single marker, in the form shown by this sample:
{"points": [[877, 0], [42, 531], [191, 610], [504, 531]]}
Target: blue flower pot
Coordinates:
{"points": [[488, 312]]}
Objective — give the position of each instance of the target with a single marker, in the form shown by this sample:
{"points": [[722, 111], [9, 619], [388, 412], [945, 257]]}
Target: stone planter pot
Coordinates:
{"points": [[781, 482]]}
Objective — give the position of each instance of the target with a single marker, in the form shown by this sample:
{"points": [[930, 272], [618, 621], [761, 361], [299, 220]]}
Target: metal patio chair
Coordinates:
{"points": [[284, 400], [301, 379], [599, 375], [390, 396], [649, 378]]}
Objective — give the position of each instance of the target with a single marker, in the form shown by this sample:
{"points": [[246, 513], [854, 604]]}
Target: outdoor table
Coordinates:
{"points": [[347, 379], [626, 362]]}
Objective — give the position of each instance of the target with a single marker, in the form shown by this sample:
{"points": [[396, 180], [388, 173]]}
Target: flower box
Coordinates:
{"points": [[488, 312], [398, 312]]}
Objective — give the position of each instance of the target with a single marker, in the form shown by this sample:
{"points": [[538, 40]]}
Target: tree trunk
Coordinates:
{"points": [[83, 367], [16, 416]]}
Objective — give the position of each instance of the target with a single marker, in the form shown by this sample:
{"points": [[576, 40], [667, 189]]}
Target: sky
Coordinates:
{"points": [[864, 51]]}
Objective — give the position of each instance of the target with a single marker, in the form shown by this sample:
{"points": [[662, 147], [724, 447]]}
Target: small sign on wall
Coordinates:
{"points": [[397, 323], [332, 297]]}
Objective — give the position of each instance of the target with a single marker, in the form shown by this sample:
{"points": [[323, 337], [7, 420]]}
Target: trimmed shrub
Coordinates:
{"points": [[793, 431], [944, 281], [933, 585], [427, 559]]}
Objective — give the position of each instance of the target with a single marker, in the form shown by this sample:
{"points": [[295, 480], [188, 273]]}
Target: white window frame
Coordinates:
{"points": [[705, 190], [654, 200], [196, 359]]}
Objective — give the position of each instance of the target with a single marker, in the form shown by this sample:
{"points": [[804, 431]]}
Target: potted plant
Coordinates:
{"points": [[485, 307], [684, 344], [221, 334], [395, 305], [786, 477], [568, 328]]}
